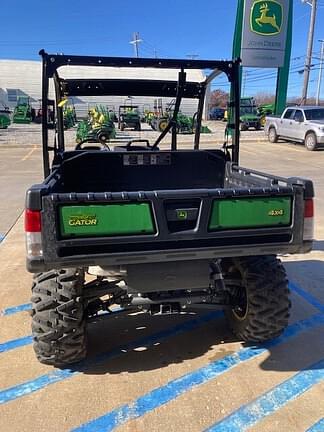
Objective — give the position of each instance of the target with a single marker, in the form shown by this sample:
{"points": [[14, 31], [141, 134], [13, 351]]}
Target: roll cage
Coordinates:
{"points": [[136, 87]]}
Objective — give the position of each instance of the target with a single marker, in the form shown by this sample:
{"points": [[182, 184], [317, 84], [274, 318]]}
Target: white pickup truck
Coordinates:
{"points": [[303, 124]]}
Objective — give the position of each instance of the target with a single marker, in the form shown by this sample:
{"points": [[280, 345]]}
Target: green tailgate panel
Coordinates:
{"points": [[250, 213], [106, 220]]}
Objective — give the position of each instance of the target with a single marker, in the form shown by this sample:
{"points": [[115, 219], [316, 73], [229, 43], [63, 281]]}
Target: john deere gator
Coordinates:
{"points": [[156, 230]]}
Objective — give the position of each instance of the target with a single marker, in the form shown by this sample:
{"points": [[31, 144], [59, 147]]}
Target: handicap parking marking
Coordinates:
{"points": [[317, 427], [43, 381], [265, 405], [175, 388]]}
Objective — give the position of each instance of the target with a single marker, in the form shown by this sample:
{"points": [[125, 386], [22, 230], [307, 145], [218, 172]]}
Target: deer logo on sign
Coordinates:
{"points": [[266, 17]]}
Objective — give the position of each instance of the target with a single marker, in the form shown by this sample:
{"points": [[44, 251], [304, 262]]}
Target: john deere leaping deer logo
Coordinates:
{"points": [[266, 17]]}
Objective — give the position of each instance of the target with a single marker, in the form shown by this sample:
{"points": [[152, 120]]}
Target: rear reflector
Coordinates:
{"points": [[308, 233], [32, 221], [34, 246], [309, 208]]}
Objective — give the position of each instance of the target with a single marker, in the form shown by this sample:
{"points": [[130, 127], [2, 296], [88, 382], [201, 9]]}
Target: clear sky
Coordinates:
{"points": [[172, 28]]}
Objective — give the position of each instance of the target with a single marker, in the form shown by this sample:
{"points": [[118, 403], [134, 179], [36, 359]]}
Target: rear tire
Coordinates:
{"points": [[58, 319], [261, 288], [311, 141], [272, 135]]}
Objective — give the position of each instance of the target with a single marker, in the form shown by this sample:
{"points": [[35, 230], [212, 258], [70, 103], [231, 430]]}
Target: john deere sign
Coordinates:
{"points": [[264, 33]]}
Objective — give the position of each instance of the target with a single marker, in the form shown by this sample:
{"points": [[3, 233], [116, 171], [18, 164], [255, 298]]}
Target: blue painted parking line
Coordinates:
{"points": [[36, 384], [15, 343], [177, 387], [317, 427], [251, 413], [307, 296], [14, 309]]}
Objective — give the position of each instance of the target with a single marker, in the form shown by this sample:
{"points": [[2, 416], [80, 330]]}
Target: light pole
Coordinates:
{"points": [[320, 73], [313, 4]]}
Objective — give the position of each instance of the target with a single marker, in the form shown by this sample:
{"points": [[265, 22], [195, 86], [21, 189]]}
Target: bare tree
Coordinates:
{"points": [[218, 98]]}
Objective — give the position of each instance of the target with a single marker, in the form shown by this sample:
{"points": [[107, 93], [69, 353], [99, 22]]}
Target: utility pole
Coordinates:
{"points": [[319, 81], [313, 5], [136, 41]]}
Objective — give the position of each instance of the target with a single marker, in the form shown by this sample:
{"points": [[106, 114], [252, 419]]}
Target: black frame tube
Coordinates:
{"points": [[59, 112], [173, 121], [45, 85], [237, 98], [200, 109]]}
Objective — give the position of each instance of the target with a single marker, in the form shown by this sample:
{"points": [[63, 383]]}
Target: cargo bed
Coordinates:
{"points": [[96, 209]]}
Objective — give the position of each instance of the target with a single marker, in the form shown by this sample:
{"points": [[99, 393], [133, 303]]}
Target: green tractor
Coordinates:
{"points": [[5, 117], [98, 128], [23, 111], [185, 124], [264, 110], [129, 117]]}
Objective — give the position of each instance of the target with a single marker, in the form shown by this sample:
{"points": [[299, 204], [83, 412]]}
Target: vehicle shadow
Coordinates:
{"points": [[134, 342], [147, 352]]}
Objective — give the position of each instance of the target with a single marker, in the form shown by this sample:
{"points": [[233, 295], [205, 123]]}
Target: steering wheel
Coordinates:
{"points": [[95, 145], [130, 147]]}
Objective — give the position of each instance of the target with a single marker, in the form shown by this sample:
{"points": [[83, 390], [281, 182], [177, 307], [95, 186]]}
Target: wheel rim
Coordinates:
{"points": [[240, 310], [162, 126], [310, 141]]}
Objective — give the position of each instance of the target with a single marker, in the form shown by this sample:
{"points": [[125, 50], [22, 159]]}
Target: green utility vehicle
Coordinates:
{"points": [[156, 230], [23, 111], [249, 117], [129, 117]]}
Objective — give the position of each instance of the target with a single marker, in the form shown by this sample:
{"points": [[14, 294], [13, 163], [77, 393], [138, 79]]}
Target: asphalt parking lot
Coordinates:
{"points": [[147, 373]]}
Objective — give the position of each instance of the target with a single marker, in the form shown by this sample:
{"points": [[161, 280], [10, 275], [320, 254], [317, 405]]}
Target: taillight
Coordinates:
{"points": [[33, 230], [33, 221], [308, 233]]}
